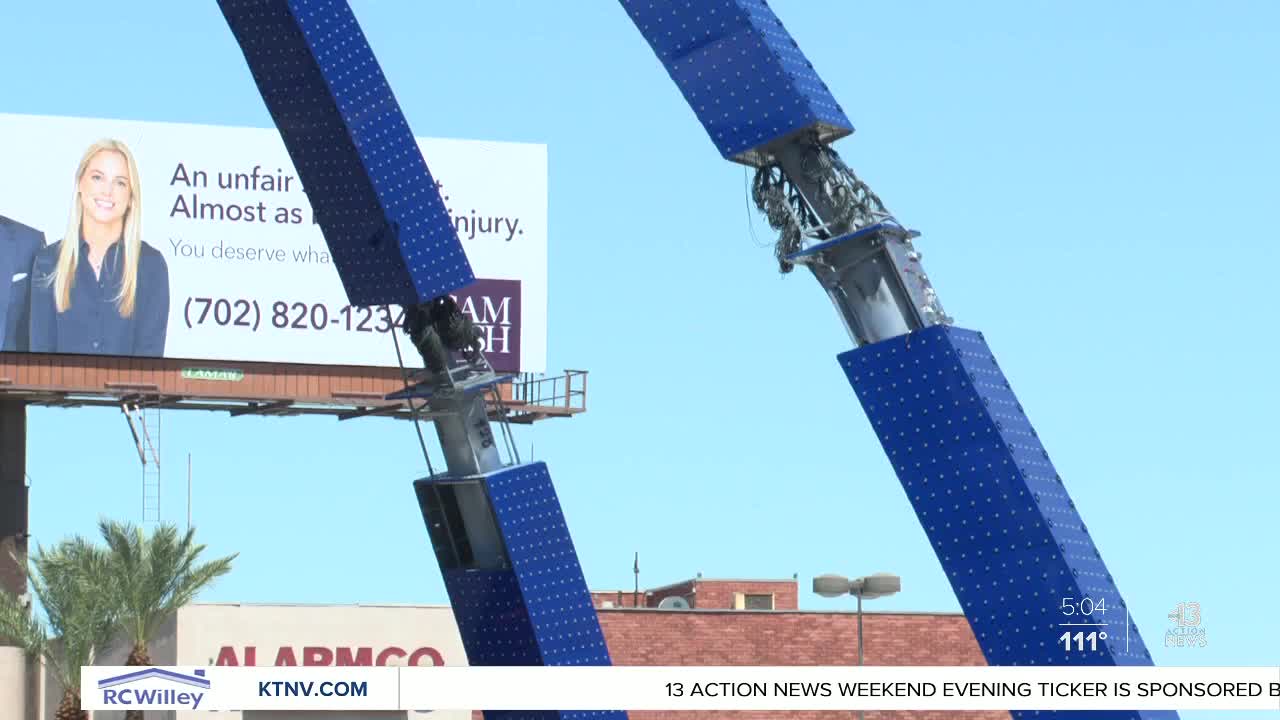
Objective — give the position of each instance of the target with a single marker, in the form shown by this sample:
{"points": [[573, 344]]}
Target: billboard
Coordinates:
{"points": [[198, 242]]}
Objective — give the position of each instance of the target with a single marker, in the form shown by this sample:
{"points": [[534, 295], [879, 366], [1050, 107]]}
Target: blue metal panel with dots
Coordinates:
{"points": [[554, 715], [998, 516], [380, 210], [492, 618], [538, 612], [740, 71]]}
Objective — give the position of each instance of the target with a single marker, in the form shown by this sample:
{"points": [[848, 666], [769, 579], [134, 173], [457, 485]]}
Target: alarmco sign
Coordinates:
{"points": [[231, 635], [320, 656], [233, 266]]}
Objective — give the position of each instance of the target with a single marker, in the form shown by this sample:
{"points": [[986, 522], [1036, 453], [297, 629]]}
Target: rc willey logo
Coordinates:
{"points": [[153, 687]]}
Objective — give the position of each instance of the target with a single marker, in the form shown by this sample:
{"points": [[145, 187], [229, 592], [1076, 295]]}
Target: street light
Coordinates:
{"points": [[869, 587]]}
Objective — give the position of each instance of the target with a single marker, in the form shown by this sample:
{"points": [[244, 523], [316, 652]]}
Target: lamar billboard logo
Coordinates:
{"points": [[155, 688]]}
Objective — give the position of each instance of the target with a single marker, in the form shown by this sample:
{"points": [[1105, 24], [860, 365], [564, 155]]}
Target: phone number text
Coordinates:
{"points": [[289, 315]]}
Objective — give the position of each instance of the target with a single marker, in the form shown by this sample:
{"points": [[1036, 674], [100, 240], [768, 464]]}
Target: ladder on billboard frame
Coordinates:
{"points": [[143, 414]]}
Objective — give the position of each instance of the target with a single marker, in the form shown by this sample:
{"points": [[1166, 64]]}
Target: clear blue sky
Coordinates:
{"points": [[1096, 187]]}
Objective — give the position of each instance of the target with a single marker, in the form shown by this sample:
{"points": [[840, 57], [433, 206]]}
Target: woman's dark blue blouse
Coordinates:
{"points": [[92, 325]]}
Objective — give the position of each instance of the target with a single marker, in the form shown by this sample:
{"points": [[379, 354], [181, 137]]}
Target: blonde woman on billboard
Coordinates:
{"points": [[101, 290]]}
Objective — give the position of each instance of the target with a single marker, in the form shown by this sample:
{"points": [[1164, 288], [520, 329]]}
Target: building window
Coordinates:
{"points": [[757, 602]]}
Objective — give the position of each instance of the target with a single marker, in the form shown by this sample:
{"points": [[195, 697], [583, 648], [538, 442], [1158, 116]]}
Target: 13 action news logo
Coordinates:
{"points": [[155, 687], [1186, 631]]}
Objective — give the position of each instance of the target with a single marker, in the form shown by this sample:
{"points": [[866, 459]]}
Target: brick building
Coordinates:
{"points": [[695, 622], [758, 622]]}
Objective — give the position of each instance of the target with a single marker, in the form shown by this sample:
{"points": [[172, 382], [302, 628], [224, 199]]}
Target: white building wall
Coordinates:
{"points": [[13, 684], [206, 633], [216, 633], [265, 634]]}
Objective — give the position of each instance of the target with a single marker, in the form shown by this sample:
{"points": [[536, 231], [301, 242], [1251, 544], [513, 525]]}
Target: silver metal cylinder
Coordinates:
{"points": [[465, 435]]}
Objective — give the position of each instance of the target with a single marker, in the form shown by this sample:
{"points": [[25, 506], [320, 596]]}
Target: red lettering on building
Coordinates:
{"points": [[312, 656], [416, 658], [385, 654], [363, 656], [320, 656], [226, 657]]}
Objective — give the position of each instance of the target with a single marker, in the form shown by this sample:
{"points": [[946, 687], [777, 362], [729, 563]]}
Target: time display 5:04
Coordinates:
{"points": [[1085, 606]]}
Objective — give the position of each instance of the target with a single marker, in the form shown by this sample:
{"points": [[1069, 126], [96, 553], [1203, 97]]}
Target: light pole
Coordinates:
{"points": [[870, 587]]}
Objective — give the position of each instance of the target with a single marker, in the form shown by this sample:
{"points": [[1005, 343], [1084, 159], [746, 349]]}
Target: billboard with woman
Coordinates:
{"points": [[224, 260], [101, 289]]}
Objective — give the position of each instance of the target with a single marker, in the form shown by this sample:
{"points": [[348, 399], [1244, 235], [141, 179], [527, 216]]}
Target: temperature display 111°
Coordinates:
{"points": [[1083, 623]]}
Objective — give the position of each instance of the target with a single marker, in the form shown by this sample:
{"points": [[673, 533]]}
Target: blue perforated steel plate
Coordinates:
{"points": [[546, 566], [491, 617], [996, 512], [539, 610], [374, 198], [554, 715], [740, 71]]}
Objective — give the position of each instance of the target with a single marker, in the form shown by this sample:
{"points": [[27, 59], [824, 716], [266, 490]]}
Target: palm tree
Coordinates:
{"points": [[73, 584], [156, 576]]}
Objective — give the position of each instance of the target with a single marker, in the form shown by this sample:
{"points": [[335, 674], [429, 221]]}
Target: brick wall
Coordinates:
{"points": [[708, 594], [719, 594], [619, 598], [722, 637]]}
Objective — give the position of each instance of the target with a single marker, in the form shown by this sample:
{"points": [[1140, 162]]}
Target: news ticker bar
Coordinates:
{"points": [[681, 688]]}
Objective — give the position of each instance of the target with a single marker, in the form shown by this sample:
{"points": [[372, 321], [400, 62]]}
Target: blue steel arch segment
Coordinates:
{"points": [[372, 194], [999, 518], [545, 561], [995, 510], [536, 609], [740, 71], [392, 241]]}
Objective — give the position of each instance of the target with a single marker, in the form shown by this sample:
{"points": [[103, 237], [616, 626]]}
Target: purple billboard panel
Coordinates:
{"points": [[494, 306]]}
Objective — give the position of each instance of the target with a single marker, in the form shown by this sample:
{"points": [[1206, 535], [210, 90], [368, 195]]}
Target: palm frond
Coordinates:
{"points": [[159, 574], [73, 584], [20, 625]]}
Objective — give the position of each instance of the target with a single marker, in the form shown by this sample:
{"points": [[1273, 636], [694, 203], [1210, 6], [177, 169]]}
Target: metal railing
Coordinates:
{"points": [[568, 390]]}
